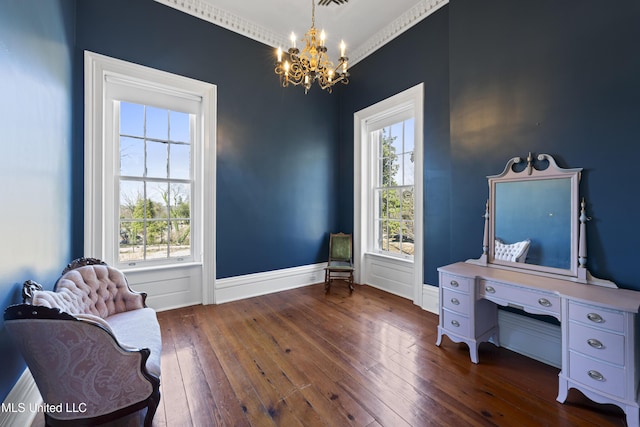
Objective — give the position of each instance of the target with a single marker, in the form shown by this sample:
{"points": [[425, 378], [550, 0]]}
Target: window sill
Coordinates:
{"points": [[389, 257], [157, 267]]}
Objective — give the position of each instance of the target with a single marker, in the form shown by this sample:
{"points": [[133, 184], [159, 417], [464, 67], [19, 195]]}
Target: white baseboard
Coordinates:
{"points": [[430, 298], [253, 285], [18, 407], [533, 338]]}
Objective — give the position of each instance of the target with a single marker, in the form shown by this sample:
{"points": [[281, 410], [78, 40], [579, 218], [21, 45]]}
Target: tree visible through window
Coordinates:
{"points": [[154, 183], [394, 188]]}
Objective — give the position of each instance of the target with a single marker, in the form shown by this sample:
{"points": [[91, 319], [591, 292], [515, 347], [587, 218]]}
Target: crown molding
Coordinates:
{"points": [[203, 10], [407, 20]]}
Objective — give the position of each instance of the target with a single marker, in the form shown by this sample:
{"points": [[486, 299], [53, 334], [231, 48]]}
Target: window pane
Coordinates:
{"points": [[407, 205], [396, 135], [131, 193], [383, 233], [408, 171], [157, 247], [131, 119], [393, 204], [394, 236], [158, 194], [157, 123], [389, 169], [131, 247], [407, 237], [180, 159], [179, 130], [409, 135], [179, 201], [131, 156], [381, 202], [157, 159], [132, 223], [180, 238]]}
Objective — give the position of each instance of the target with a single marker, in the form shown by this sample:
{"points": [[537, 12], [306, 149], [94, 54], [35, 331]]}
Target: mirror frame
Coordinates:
{"points": [[531, 173], [577, 270]]}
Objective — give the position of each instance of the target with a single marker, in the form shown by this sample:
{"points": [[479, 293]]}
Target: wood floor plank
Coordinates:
{"points": [[305, 358]]}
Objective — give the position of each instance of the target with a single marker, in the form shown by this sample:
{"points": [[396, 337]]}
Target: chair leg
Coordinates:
{"points": [[151, 409], [350, 283], [327, 282]]}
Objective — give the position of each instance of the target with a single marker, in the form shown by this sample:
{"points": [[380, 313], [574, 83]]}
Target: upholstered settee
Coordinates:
{"points": [[92, 345]]}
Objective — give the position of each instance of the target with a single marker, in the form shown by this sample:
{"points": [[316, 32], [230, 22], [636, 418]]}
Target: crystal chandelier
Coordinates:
{"points": [[312, 64]]}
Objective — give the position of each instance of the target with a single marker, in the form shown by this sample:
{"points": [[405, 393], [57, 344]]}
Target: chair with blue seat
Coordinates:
{"points": [[340, 263]]}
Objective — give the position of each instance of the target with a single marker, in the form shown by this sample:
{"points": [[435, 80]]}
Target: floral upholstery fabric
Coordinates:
{"points": [[75, 363]]}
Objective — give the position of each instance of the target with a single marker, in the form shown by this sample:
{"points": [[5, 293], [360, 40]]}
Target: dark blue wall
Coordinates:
{"points": [[36, 41], [549, 77], [509, 78], [421, 54], [276, 147]]}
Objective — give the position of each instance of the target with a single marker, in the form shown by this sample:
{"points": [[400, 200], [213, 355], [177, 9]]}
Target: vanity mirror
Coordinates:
{"points": [[535, 221]]}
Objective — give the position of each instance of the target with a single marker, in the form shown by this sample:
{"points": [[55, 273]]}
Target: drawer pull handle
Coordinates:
{"points": [[596, 375], [544, 302], [595, 343], [595, 317], [455, 301], [454, 284], [455, 323], [490, 289]]}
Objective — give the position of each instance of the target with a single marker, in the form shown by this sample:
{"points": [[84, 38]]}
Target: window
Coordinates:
{"points": [[150, 171], [388, 195], [155, 182], [393, 189]]}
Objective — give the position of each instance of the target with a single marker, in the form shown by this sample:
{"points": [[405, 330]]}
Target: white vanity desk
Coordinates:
{"points": [[600, 325], [600, 354]]}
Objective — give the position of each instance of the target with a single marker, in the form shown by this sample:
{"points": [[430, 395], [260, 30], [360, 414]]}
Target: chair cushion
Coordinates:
{"points": [[339, 265], [139, 329]]}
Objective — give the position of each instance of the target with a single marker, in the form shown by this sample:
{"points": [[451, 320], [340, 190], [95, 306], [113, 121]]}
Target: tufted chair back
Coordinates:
{"points": [[100, 290]]}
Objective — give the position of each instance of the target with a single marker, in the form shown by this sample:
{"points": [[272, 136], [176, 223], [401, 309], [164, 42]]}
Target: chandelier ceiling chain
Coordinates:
{"points": [[312, 64]]}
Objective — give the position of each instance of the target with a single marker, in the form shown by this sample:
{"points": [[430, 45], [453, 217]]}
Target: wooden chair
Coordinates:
{"points": [[340, 263]]}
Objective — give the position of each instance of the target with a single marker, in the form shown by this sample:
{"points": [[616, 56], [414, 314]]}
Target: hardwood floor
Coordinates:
{"points": [[303, 358]]}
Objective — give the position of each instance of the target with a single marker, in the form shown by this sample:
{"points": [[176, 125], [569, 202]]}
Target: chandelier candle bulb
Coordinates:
{"points": [[322, 37], [343, 48], [293, 40], [279, 55]]}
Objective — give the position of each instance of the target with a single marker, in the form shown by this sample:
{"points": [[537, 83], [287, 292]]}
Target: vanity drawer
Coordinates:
{"points": [[598, 375], [455, 322], [537, 302], [459, 283], [596, 316], [604, 345], [455, 301]]}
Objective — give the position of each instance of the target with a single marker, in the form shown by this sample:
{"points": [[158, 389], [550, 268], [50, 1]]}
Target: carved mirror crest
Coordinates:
{"points": [[534, 220]]}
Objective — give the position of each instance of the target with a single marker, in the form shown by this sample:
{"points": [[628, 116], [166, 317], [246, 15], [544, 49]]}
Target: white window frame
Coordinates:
{"points": [[100, 187], [411, 101]]}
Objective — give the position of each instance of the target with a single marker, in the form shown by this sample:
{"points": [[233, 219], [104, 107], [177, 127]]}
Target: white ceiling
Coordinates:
{"points": [[364, 25]]}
